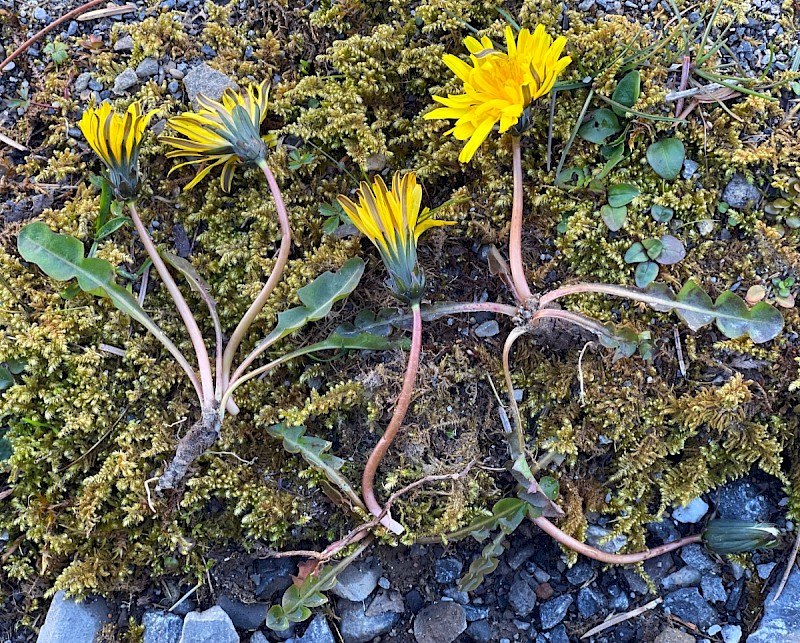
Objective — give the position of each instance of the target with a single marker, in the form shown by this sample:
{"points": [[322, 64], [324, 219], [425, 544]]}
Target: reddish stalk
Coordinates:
{"points": [[255, 308], [515, 239], [612, 559], [69, 16], [403, 402], [203, 363]]}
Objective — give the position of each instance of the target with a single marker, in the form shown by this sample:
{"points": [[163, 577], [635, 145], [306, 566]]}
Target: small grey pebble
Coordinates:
{"points": [[41, 15], [174, 87], [488, 329]]}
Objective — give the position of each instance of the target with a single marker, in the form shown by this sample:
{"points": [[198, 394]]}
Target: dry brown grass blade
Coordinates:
{"points": [[107, 12], [614, 620]]}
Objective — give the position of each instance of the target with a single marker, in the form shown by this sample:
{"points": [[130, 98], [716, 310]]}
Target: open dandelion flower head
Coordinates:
{"points": [[116, 139], [224, 132], [499, 86], [392, 220]]}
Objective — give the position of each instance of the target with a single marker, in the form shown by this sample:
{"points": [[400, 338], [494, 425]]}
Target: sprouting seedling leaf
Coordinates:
{"points": [[602, 124], [653, 247], [622, 194], [692, 304], [627, 91], [614, 218], [319, 296], [315, 451], [661, 213], [646, 273], [110, 227], [666, 157], [636, 253], [672, 250]]}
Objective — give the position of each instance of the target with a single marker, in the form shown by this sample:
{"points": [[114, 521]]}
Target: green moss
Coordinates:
{"points": [[89, 427]]}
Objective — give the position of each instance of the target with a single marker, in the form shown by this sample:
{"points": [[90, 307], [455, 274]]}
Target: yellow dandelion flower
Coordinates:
{"points": [[499, 86], [225, 133], [393, 222], [116, 139]]}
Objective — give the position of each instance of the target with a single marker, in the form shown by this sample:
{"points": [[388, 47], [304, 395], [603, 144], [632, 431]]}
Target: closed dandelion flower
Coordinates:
{"points": [[393, 222], [498, 86], [116, 139], [225, 132]]}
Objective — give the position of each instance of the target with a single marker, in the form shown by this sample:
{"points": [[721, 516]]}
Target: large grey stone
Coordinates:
{"points": [[742, 500], [692, 512], [317, 632], [687, 604], [740, 193], [553, 611], [161, 627], [148, 67], [245, 616], [596, 537], [69, 621], [781, 620], [125, 81], [358, 580], [360, 623], [440, 623], [208, 82], [684, 577], [521, 598], [211, 626]]}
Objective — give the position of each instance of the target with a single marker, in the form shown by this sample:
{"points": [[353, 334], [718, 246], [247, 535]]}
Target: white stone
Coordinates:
{"points": [[691, 513]]}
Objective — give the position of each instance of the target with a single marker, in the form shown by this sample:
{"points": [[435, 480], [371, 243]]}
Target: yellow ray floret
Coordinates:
{"points": [[499, 86], [116, 139], [392, 220], [224, 132]]}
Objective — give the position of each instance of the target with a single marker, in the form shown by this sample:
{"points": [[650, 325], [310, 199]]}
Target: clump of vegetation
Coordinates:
{"points": [[86, 465]]}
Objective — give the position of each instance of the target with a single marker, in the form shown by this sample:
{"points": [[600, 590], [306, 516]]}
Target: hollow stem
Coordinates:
{"points": [[275, 276], [612, 559], [607, 289], [203, 363], [515, 239], [400, 409]]}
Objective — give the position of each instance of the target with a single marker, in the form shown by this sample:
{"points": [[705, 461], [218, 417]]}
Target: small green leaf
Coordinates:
{"points": [[646, 273], [635, 254], [276, 619], [666, 158], [622, 194], [627, 91], [319, 296], [504, 515], [672, 250], [16, 366], [6, 451], [653, 247], [661, 213], [550, 487], [602, 124], [111, 227], [6, 378], [571, 178], [331, 225], [614, 218]]}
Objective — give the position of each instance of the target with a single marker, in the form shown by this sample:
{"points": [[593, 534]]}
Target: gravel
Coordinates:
{"points": [[69, 621], [440, 623]]}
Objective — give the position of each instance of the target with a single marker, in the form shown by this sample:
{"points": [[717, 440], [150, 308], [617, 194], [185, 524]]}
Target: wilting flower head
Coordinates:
{"points": [[739, 536], [116, 139], [393, 222], [225, 133], [499, 86]]}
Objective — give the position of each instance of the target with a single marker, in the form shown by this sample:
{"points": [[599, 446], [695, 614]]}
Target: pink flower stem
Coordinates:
{"points": [[400, 409], [612, 559], [515, 239], [275, 276], [203, 363], [607, 289]]}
